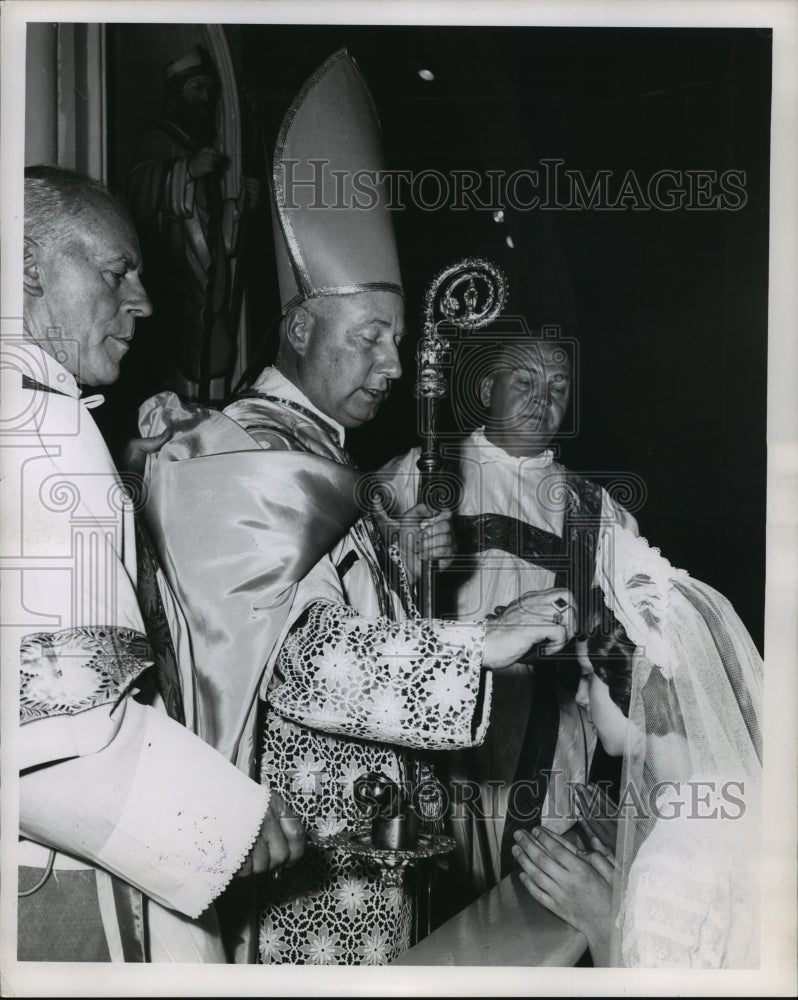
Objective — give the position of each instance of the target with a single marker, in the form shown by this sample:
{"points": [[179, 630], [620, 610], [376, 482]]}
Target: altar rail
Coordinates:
{"points": [[505, 926]]}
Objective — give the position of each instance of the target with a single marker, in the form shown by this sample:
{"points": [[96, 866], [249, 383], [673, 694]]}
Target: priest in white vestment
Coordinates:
{"points": [[130, 825], [523, 523]]}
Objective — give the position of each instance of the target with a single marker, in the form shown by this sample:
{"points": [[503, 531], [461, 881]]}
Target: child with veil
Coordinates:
{"points": [[673, 682]]}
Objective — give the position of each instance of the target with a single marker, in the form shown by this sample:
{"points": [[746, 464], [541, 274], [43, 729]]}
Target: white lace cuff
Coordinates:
{"points": [[417, 683]]}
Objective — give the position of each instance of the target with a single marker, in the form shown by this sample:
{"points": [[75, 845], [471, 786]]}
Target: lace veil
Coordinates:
{"points": [[686, 887]]}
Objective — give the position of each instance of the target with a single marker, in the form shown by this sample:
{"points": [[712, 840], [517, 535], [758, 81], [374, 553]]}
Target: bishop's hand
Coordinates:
{"points": [[543, 616]]}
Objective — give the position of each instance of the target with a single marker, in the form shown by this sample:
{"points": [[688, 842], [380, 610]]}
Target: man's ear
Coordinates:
{"points": [[31, 275], [486, 390], [298, 328]]}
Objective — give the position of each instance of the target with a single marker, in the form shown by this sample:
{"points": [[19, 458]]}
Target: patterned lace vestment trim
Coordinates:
{"points": [[373, 681], [76, 669]]}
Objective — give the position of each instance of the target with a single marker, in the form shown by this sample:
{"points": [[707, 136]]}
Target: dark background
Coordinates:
{"points": [[669, 309]]}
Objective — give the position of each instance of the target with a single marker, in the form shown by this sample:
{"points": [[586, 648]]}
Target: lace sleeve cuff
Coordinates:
{"points": [[417, 683]]}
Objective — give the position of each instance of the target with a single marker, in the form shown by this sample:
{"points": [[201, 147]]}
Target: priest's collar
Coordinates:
{"points": [[272, 382], [43, 368], [45, 374], [489, 452]]}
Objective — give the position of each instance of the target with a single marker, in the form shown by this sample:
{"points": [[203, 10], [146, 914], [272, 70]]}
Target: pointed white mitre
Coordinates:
{"points": [[637, 583]]}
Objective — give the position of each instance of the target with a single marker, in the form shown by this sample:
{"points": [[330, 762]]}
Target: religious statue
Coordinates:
{"points": [[190, 233]]}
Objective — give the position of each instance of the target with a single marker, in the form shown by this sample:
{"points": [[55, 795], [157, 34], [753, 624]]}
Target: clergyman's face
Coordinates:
{"points": [[93, 294], [529, 392], [352, 354]]}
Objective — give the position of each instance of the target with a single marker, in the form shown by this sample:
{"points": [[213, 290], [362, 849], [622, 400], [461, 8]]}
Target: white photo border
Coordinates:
{"points": [[778, 973]]}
